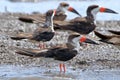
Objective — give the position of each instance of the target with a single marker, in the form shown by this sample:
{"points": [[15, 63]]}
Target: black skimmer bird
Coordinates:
{"points": [[60, 53], [45, 33], [111, 39], [83, 25], [114, 32], [60, 14]]}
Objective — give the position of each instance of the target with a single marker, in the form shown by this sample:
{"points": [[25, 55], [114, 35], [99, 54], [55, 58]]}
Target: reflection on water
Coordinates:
{"points": [[22, 72], [43, 73]]}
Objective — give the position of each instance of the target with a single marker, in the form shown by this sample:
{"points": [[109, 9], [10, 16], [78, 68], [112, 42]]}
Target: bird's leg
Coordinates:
{"points": [[60, 66], [64, 68], [42, 45]]}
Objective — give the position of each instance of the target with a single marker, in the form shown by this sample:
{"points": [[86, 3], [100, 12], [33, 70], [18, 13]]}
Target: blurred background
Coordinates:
{"points": [[29, 6]]}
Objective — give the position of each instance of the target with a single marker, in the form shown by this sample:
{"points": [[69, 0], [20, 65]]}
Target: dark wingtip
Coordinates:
{"points": [[25, 20], [16, 38], [24, 53], [114, 32], [101, 35]]}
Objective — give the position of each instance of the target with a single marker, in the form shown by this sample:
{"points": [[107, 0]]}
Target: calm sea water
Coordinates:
{"points": [[39, 73]]}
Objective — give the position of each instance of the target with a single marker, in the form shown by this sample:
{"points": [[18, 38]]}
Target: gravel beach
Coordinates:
{"points": [[102, 56]]}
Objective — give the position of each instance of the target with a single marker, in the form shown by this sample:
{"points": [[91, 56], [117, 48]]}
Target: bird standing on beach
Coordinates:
{"points": [[44, 33], [60, 14], [111, 39], [83, 25], [60, 53]]}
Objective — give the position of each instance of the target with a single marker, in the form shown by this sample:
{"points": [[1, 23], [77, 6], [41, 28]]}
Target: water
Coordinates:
{"points": [[38, 73], [43, 6]]}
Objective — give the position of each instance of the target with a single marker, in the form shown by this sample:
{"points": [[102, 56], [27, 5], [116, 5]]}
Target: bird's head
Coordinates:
{"points": [[66, 7], [94, 9], [49, 18]]}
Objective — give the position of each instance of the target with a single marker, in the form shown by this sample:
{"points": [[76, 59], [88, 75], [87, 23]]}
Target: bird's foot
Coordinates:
{"points": [[62, 67], [56, 33], [42, 46]]}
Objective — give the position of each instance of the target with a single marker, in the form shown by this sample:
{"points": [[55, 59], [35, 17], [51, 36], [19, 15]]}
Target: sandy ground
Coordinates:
{"points": [[103, 56]]}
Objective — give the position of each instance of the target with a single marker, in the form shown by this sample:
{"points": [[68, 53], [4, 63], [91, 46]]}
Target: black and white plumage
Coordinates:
{"points": [[111, 39], [83, 25], [59, 16], [45, 33]]}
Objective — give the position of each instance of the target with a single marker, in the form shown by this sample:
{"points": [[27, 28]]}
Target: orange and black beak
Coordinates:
{"points": [[102, 9], [90, 41], [86, 40], [71, 9]]}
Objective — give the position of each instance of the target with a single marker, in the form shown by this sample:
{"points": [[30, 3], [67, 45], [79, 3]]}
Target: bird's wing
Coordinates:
{"points": [[79, 19], [102, 36], [111, 39], [48, 52], [20, 36], [32, 18], [31, 52], [114, 32]]}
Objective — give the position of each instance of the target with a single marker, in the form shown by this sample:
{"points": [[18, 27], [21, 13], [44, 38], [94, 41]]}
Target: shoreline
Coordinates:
{"points": [[103, 54]]}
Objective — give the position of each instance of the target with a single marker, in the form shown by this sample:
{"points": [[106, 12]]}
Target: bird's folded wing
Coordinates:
{"points": [[20, 36], [48, 52], [31, 52], [61, 23], [38, 18], [102, 36], [114, 32], [78, 19]]}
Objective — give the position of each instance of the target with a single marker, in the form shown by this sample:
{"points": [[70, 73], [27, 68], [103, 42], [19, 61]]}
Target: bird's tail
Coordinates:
{"points": [[32, 19], [25, 19], [21, 36], [61, 25], [103, 37], [31, 52]]}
